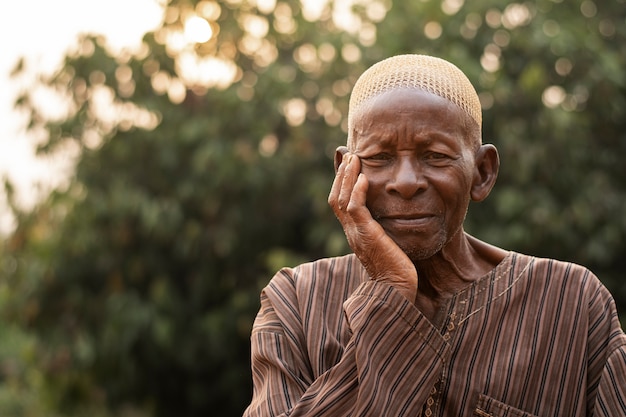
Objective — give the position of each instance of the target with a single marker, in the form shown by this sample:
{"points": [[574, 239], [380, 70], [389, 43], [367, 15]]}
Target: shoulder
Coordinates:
{"points": [[578, 295], [564, 285], [335, 277], [568, 276], [305, 300], [576, 287]]}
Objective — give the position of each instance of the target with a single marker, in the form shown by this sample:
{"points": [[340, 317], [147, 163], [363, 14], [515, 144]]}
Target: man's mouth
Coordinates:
{"points": [[406, 220]]}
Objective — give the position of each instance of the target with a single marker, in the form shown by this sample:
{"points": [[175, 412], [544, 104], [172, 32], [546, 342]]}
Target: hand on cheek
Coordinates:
{"points": [[379, 254]]}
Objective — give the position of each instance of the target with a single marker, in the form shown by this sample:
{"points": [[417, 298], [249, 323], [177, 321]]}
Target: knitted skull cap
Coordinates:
{"points": [[428, 73]]}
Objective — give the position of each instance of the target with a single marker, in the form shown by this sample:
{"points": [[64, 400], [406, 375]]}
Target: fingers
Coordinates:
{"points": [[358, 197], [382, 258], [350, 175], [333, 197], [343, 185]]}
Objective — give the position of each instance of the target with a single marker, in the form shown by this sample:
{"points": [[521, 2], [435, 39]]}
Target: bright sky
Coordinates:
{"points": [[41, 30]]}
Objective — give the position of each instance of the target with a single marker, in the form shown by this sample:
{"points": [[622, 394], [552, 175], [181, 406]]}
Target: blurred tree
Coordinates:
{"points": [[204, 162]]}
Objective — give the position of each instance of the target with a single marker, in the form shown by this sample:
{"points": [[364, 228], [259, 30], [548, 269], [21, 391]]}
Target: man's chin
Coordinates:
{"points": [[418, 253]]}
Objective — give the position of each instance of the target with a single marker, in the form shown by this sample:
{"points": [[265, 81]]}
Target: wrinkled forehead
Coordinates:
{"points": [[427, 73]]}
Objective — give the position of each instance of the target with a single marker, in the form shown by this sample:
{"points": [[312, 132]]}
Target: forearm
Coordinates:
{"points": [[399, 353], [388, 367]]}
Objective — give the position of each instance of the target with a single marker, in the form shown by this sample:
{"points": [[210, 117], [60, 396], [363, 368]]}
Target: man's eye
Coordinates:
{"points": [[436, 156], [379, 157], [437, 159]]}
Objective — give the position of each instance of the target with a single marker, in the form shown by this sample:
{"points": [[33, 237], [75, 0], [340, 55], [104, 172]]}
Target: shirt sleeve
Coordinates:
{"points": [[392, 360], [611, 395]]}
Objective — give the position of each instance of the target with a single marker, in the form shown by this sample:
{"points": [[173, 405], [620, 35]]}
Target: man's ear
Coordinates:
{"points": [[486, 172], [339, 154]]}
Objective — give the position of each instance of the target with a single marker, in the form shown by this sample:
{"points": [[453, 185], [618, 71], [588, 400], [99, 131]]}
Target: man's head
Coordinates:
{"points": [[415, 126], [427, 73]]}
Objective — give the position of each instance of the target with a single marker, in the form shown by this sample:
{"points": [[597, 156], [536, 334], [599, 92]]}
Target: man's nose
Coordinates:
{"points": [[407, 178]]}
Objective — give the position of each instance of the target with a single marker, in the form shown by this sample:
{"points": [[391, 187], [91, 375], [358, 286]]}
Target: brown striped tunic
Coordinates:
{"points": [[535, 337]]}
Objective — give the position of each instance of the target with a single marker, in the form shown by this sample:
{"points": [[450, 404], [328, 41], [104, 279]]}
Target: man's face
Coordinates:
{"points": [[419, 165]]}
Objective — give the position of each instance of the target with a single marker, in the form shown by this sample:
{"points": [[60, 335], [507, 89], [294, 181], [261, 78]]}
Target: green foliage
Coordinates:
{"points": [[133, 290]]}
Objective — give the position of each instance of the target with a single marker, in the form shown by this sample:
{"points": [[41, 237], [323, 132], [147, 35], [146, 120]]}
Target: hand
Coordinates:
{"points": [[382, 258]]}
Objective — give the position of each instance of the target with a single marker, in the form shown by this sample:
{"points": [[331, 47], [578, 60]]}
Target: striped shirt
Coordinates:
{"points": [[534, 337]]}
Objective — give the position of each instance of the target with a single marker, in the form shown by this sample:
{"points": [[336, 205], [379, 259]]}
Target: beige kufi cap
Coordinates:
{"points": [[432, 74]]}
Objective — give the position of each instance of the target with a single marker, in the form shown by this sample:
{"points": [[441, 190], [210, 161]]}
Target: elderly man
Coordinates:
{"points": [[424, 319]]}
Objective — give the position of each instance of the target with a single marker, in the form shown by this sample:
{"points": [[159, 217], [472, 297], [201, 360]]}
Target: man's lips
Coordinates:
{"points": [[405, 216], [406, 220]]}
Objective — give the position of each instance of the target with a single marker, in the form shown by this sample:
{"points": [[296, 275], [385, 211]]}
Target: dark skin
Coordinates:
{"points": [[402, 193]]}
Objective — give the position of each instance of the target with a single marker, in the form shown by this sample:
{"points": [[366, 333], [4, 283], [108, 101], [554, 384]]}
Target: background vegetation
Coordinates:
{"points": [[203, 166]]}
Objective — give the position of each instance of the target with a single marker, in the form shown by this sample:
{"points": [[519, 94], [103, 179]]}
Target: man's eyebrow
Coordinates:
{"points": [[369, 146], [378, 138]]}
